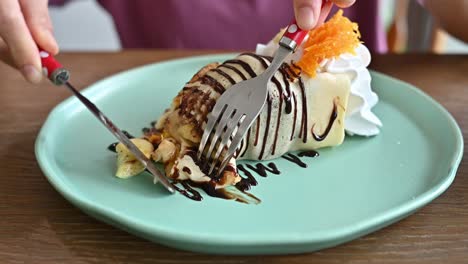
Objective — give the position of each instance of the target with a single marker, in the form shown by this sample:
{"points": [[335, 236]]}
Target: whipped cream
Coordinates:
{"points": [[193, 173], [360, 120]]}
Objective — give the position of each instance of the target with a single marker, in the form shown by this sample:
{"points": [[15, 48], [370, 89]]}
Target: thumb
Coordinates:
{"points": [[307, 13], [344, 3]]}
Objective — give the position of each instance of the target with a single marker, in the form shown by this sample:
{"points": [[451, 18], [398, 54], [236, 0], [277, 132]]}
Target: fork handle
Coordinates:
{"points": [[294, 35]]}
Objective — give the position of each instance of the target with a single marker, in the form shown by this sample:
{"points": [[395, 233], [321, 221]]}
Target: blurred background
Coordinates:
{"points": [[84, 25]]}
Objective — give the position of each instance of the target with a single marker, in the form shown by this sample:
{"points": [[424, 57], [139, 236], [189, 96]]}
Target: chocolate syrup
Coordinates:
{"points": [[294, 118], [246, 183], [275, 140], [294, 159], [127, 134], [267, 128], [244, 65], [212, 82], [188, 191], [286, 96], [308, 153], [246, 143], [225, 75], [112, 146], [303, 132], [187, 170], [261, 169], [333, 117], [234, 69], [257, 132]]}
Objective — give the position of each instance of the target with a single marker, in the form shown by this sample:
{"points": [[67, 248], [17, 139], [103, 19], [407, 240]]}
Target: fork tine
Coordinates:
{"points": [[219, 129], [231, 126], [213, 118], [243, 126]]}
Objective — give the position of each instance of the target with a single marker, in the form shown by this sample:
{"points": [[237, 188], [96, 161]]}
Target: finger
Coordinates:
{"points": [[344, 3], [326, 8], [15, 33], [307, 13], [37, 18], [5, 55]]}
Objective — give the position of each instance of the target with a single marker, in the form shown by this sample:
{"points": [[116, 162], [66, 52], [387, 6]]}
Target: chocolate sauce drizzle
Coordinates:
{"points": [[308, 153], [257, 132], [130, 136], [303, 132], [247, 179], [244, 65], [246, 183], [246, 143], [187, 170], [187, 190], [225, 75], [261, 169], [294, 159], [209, 188], [212, 82], [267, 128], [112, 147], [234, 69], [333, 117], [294, 118]]}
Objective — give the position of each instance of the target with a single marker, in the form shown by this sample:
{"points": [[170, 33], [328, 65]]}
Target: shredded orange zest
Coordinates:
{"points": [[337, 36]]}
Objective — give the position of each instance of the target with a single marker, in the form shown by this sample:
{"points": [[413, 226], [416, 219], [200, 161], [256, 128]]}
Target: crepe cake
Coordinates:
{"points": [[306, 109]]}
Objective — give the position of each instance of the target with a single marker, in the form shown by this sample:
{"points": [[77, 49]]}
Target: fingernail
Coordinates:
{"points": [[31, 74], [306, 17]]}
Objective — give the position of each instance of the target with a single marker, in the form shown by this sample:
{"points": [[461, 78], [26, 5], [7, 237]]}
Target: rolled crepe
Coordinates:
{"points": [[301, 113]]}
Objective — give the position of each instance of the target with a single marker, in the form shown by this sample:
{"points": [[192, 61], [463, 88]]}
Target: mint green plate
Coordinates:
{"points": [[347, 192]]}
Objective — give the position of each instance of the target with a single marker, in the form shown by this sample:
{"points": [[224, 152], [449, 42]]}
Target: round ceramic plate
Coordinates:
{"points": [[346, 192]]}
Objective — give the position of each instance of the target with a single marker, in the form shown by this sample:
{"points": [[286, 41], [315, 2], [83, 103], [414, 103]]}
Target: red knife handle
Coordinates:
{"points": [[52, 69], [293, 36]]}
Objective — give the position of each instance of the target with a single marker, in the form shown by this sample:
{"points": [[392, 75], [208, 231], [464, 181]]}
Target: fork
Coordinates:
{"points": [[239, 106]]}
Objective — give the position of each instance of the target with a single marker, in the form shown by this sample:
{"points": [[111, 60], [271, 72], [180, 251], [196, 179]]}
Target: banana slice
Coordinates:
{"points": [[127, 164]]}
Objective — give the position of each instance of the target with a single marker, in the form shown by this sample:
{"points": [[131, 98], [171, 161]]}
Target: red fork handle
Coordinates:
{"points": [[52, 69], [293, 36]]}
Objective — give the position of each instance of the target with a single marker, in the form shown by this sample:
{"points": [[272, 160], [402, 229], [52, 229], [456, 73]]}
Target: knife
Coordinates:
{"points": [[60, 76]]}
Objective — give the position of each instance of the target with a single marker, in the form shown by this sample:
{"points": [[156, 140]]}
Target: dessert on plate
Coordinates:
{"points": [[323, 91]]}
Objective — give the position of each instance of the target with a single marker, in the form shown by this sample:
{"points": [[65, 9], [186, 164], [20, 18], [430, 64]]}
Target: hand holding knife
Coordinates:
{"points": [[59, 76]]}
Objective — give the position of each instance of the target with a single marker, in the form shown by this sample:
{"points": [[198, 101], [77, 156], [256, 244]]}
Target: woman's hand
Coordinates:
{"points": [[309, 13], [24, 24]]}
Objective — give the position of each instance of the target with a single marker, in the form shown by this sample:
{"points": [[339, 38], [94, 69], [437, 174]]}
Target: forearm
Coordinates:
{"points": [[452, 16]]}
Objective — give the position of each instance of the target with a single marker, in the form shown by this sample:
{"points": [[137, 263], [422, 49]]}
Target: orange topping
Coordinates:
{"points": [[337, 36]]}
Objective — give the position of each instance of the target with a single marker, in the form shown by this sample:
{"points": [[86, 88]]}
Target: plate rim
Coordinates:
{"points": [[133, 224]]}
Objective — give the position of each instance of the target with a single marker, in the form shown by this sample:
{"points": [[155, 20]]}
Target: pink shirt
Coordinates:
{"points": [[220, 24]]}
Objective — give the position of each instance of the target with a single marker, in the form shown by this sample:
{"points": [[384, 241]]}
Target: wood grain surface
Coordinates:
{"points": [[37, 225]]}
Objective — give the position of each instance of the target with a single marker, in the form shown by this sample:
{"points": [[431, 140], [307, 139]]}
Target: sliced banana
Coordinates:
{"points": [[127, 164]]}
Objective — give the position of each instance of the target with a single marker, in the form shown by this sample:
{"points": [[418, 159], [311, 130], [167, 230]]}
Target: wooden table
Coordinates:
{"points": [[37, 225]]}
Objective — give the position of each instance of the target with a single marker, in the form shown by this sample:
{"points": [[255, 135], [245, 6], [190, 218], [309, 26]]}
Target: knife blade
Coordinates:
{"points": [[60, 76]]}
